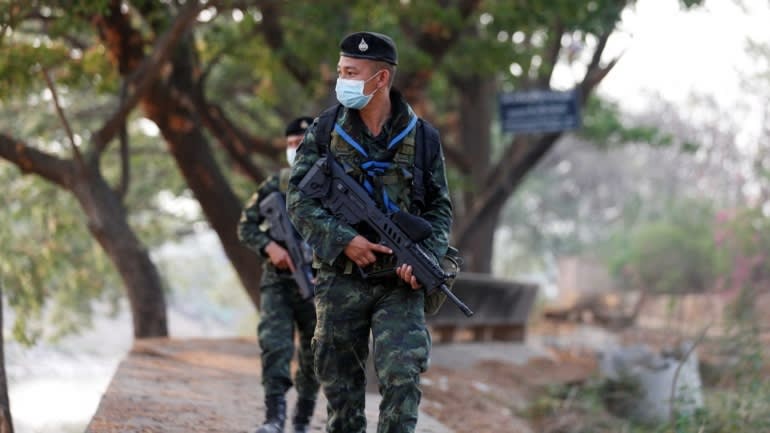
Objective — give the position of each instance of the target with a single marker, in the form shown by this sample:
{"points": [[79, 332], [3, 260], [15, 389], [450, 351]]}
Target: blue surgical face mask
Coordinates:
{"points": [[350, 93]]}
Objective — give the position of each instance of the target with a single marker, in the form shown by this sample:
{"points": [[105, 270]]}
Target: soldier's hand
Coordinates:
{"points": [[279, 257], [362, 252], [405, 272]]}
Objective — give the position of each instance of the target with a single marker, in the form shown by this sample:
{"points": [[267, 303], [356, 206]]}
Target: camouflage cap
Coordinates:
{"points": [[369, 45]]}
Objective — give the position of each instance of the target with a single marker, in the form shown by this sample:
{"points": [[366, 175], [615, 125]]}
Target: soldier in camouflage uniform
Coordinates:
{"points": [[281, 307], [374, 133]]}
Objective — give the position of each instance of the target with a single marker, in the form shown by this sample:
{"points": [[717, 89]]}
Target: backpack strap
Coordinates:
{"points": [[427, 146], [324, 128]]}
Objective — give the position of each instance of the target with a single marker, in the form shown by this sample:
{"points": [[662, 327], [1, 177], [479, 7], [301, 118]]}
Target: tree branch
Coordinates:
{"points": [[13, 10], [238, 143], [145, 76], [217, 57], [435, 41], [60, 113], [125, 161], [31, 160], [273, 32], [595, 73], [510, 173], [154, 13], [552, 55], [280, 111], [436, 44], [522, 155], [187, 89]]}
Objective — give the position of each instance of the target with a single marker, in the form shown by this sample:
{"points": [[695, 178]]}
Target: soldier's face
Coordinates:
{"points": [[352, 68], [293, 141]]}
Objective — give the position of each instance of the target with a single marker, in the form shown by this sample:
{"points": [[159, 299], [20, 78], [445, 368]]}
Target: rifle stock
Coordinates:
{"points": [[347, 200]]}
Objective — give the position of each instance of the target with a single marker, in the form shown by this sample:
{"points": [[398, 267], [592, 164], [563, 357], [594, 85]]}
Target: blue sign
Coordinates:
{"points": [[540, 111]]}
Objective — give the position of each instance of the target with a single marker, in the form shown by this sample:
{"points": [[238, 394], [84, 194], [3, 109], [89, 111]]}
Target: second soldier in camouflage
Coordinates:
{"points": [[282, 308]]}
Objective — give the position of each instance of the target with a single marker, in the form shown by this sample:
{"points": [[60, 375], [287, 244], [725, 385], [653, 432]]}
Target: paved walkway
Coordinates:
{"points": [[199, 385]]}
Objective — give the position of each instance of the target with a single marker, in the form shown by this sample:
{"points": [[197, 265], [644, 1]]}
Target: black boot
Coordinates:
{"points": [[275, 416], [303, 413]]}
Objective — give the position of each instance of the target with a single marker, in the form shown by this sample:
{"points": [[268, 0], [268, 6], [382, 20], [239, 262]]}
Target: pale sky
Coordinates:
{"points": [[676, 53]]}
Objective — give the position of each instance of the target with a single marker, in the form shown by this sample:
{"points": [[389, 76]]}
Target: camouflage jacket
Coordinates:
{"points": [[325, 233]]}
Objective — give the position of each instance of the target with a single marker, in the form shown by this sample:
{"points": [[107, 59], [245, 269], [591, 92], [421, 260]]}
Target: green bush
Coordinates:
{"points": [[674, 254]]}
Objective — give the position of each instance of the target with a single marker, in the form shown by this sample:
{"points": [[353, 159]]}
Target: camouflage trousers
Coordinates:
{"points": [[281, 310], [348, 310]]}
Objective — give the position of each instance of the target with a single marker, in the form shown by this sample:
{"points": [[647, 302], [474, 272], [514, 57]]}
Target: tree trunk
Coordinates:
{"points": [[169, 103], [476, 105], [108, 223], [6, 423], [195, 160], [477, 250]]}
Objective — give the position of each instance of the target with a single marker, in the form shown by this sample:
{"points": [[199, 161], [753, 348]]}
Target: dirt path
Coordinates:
{"points": [[199, 385], [213, 386]]}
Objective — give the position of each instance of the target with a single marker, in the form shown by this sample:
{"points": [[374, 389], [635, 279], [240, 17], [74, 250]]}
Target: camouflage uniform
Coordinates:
{"points": [[348, 307], [281, 307]]}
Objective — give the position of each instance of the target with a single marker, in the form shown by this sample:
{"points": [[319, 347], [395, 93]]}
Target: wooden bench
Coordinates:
{"points": [[501, 310]]}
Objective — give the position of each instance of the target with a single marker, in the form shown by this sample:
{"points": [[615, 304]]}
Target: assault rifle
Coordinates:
{"points": [[273, 208], [341, 195]]}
